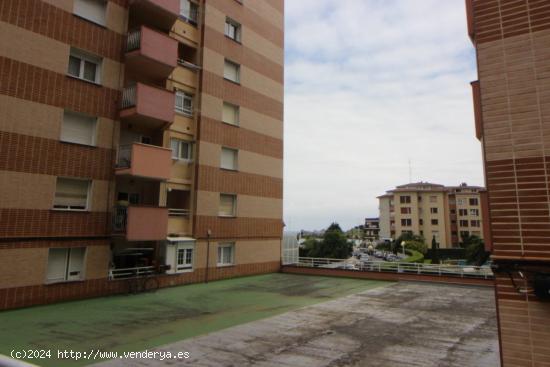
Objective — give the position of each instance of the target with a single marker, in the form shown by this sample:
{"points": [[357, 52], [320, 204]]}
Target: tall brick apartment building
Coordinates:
{"points": [[512, 110], [138, 137]]}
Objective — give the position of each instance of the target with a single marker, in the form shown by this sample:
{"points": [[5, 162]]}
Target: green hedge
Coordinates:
{"points": [[414, 257]]}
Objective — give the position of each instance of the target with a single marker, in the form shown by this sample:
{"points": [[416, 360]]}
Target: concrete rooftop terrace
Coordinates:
{"points": [[272, 320], [404, 324]]}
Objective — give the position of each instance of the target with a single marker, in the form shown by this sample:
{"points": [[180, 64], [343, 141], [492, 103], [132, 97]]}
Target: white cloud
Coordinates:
{"points": [[371, 84]]}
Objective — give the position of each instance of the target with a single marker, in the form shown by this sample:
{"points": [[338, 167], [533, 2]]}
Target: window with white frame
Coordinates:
{"points": [[228, 205], [92, 10], [65, 264], [181, 149], [231, 71], [226, 254], [71, 194], [78, 128], [184, 103], [184, 257], [189, 11], [474, 212], [230, 114], [229, 159], [84, 66], [232, 29]]}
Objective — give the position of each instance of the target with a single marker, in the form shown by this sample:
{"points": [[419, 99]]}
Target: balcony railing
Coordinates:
{"points": [[178, 212], [124, 159], [129, 96], [127, 273], [119, 219], [133, 41]]}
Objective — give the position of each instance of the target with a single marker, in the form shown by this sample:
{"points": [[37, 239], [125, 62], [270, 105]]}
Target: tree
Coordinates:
{"points": [[475, 250], [435, 252], [333, 245], [412, 242]]}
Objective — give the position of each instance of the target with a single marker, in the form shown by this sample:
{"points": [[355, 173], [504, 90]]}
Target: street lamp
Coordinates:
{"points": [[403, 243]]}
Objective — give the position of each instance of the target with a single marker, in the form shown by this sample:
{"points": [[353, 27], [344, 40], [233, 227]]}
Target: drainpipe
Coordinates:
{"points": [[208, 233]]}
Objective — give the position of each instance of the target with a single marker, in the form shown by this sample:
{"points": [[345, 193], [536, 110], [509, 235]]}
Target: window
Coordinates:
{"points": [[84, 66], [78, 128], [464, 234], [184, 258], [406, 222], [460, 201], [181, 149], [475, 223], [433, 210], [92, 10], [65, 264], [232, 29], [474, 212], [433, 199], [231, 71], [405, 199], [435, 235], [228, 205], [71, 194], [419, 198], [128, 198], [435, 222], [463, 212], [184, 103], [230, 114], [406, 210], [189, 11], [474, 202], [229, 158], [463, 223], [226, 254], [421, 222]]}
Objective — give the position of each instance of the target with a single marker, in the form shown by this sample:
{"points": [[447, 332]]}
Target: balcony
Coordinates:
{"points": [[186, 73], [145, 161], [151, 54], [140, 223], [179, 222], [478, 114], [147, 107], [161, 14]]}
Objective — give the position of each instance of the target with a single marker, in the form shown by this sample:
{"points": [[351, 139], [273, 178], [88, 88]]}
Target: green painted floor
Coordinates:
{"points": [[144, 321]]}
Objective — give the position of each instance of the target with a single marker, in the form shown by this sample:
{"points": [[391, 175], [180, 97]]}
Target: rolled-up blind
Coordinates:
{"points": [[229, 158], [227, 205], [231, 71], [71, 193], [78, 128]]}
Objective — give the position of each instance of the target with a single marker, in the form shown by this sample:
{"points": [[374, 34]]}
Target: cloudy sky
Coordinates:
{"points": [[371, 84]]}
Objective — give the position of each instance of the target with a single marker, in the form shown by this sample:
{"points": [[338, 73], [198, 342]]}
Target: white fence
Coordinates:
{"points": [[484, 272], [131, 272]]}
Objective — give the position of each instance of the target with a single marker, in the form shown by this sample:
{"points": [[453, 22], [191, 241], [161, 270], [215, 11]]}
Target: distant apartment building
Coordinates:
{"points": [[446, 213], [512, 120], [138, 137], [372, 229]]}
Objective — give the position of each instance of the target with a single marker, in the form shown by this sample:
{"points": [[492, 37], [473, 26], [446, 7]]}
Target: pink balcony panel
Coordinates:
{"points": [[145, 161], [151, 54], [147, 106], [160, 14], [146, 223]]}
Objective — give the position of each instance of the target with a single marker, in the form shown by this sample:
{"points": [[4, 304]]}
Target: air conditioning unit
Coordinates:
{"points": [[541, 283]]}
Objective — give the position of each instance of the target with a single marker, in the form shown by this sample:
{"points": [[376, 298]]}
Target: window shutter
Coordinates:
{"points": [[78, 128], [230, 114], [227, 205], [57, 264], [76, 263], [71, 193], [231, 71], [93, 10], [229, 159]]}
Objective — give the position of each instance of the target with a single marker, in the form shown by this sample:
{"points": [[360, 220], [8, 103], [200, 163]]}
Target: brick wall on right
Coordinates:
{"points": [[512, 39]]}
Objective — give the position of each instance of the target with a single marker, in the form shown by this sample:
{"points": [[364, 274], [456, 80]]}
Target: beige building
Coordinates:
{"points": [[431, 210], [138, 137]]}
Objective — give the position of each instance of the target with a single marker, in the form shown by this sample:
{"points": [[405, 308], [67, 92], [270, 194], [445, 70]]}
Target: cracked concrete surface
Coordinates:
{"points": [[404, 324]]}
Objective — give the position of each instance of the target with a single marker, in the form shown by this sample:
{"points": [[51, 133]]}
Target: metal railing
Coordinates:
{"points": [[129, 96], [188, 65], [131, 272], [178, 212], [124, 158], [120, 215], [133, 40], [462, 271]]}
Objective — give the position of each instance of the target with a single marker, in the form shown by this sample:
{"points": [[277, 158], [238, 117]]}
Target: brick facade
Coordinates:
{"points": [[512, 40]]}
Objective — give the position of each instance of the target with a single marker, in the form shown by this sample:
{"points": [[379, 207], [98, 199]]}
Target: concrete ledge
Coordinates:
{"points": [[398, 277]]}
